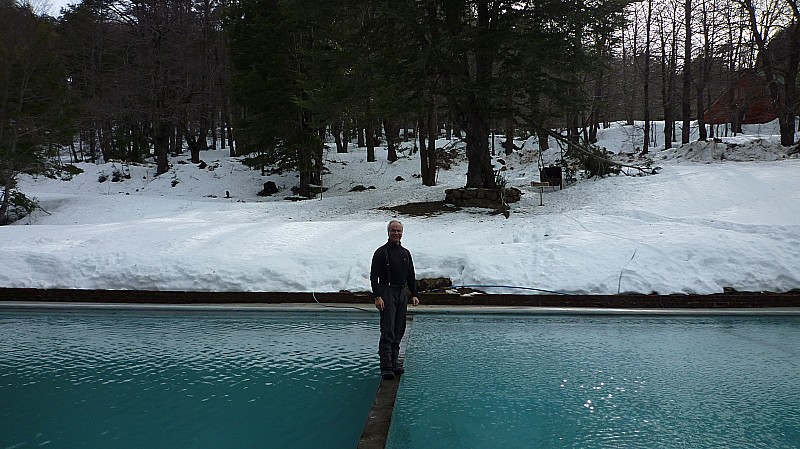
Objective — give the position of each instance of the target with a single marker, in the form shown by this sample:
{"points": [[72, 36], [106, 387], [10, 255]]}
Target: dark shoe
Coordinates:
{"points": [[398, 370], [387, 375]]}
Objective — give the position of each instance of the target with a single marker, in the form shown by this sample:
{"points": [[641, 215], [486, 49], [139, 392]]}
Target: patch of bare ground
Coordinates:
{"points": [[432, 208], [426, 208]]}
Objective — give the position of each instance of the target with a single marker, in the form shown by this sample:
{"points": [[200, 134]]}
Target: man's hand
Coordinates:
{"points": [[414, 301], [379, 303]]}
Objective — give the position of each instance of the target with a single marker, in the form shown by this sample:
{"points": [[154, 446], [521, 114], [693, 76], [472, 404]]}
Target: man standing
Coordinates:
{"points": [[392, 271]]}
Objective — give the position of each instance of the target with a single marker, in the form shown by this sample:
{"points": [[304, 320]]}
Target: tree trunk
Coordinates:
{"points": [[92, 145], [788, 123], [176, 141], [573, 135], [214, 132], [193, 143], [668, 64], [469, 100], [544, 139], [646, 76], [231, 141], [479, 171], [433, 133], [73, 153], [370, 142], [4, 206], [783, 100], [427, 150], [316, 174], [336, 130], [509, 145], [361, 141], [161, 144], [392, 133], [594, 125], [194, 150], [305, 156], [703, 76], [669, 124], [346, 135], [105, 142], [687, 73], [305, 159], [701, 124], [628, 100], [422, 133], [791, 104], [136, 143], [223, 122]]}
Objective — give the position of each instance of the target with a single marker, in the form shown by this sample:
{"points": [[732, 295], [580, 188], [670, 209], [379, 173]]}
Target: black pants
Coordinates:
{"points": [[393, 325]]}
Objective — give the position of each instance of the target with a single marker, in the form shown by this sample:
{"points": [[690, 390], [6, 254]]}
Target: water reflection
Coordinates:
{"points": [[599, 382], [185, 379]]}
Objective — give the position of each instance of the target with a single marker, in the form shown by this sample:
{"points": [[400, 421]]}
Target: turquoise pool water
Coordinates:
{"points": [[600, 382], [185, 380]]}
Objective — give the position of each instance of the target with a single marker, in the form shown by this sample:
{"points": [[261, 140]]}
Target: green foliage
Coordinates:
{"points": [[300, 65], [117, 175], [264, 64], [20, 206], [34, 108], [277, 158], [265, 52], [595, 161], [72, 170], [22, 203], [274, 50]]}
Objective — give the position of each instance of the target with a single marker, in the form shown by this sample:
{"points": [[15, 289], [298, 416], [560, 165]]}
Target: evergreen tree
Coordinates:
{"points": [[268, 45], [34, 111], [491, 61]]}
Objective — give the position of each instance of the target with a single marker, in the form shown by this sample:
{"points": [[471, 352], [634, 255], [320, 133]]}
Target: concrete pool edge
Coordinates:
{"points": [[419, 310], [379, 420], [755, 300]]}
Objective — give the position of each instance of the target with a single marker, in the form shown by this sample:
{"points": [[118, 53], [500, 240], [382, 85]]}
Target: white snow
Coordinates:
{"points": [[715, 216]]}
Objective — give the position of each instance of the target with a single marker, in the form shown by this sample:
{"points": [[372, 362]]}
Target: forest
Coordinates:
{"points": [[271, 80]]}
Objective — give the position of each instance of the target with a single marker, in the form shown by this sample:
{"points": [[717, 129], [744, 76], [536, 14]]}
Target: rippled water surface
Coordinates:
{"points": [[600, 382], [185, 380]]}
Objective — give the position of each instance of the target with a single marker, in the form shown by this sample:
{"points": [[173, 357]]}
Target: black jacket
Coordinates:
{"points": [[392, 264]]}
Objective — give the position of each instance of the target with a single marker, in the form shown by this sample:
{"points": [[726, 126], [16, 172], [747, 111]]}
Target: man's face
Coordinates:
{"points": [[395, 233]]}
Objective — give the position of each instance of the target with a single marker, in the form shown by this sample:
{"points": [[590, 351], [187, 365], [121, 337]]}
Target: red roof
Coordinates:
{"points": [[748, 98]]}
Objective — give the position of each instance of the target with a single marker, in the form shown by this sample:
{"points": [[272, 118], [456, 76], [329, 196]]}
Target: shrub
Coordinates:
{"points": [[19, 207], [596, 162]]}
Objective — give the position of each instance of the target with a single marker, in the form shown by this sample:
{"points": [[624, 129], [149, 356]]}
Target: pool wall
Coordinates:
{"points": [[628, 301]]}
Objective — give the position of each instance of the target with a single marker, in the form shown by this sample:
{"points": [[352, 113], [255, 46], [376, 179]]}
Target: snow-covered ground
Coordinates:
{"points": [[719, 214]]}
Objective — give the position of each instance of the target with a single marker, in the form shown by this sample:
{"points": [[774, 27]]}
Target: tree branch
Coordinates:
{"points": [[583, 149]]}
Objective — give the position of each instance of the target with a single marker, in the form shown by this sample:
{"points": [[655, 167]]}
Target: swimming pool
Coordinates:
{"points": [[133, 379], [599, 382], [171, 379]]}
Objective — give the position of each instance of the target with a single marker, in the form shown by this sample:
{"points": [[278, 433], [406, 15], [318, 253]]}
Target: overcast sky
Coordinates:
{"points": [[51, 7]]}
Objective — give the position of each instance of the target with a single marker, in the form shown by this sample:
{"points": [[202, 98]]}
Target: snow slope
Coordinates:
{"points": [[716, 216]]}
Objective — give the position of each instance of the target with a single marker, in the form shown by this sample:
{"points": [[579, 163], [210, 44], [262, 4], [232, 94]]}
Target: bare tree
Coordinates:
{"points": [[646, 75], [668, 37], [686, 105], [710, 24], [779, 20]]}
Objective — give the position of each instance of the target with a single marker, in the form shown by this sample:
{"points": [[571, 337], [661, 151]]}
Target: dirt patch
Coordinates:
{"points": [[428, 208], [432, 208]]}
